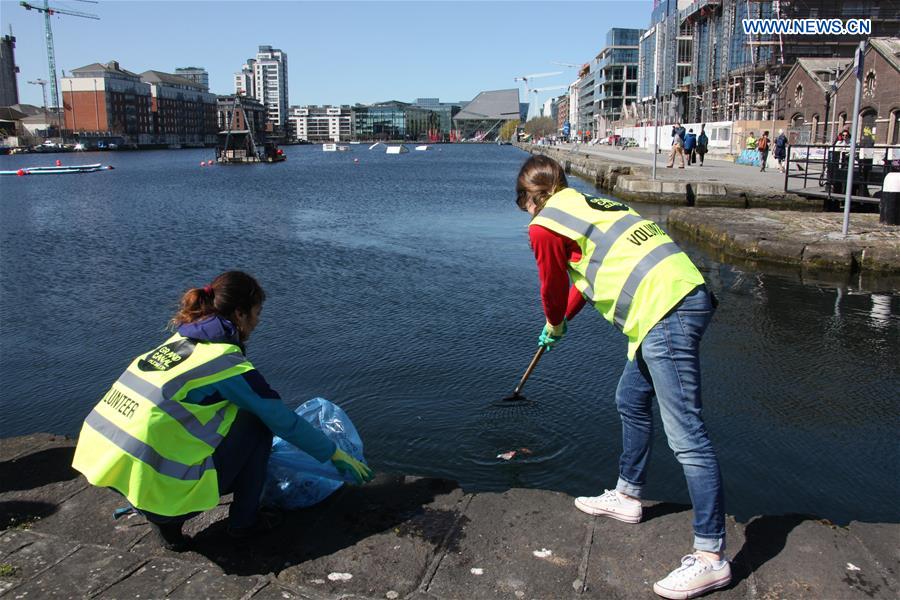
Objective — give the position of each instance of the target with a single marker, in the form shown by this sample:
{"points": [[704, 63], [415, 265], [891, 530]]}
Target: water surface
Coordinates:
{"points": [[403, 288]]}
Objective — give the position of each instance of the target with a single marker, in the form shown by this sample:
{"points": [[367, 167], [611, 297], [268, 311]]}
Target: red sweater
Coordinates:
{"points": [[552, 252]]}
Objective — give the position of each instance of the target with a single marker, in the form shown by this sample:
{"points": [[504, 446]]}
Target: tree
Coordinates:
{"points": [[508, 131], [540, 127]]}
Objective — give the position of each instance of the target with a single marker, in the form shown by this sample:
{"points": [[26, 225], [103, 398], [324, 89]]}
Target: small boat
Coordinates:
{"points": [[355, 143], [329, 147], [343, 148], [401, 149], [59, 170], [422, 148]]}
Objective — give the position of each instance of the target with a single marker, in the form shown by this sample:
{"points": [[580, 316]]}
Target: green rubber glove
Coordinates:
{"points": [[348, 465], [551, 334]]}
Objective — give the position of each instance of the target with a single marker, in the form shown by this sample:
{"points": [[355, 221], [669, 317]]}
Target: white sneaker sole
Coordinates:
{"points": [[692, 593], [599, 512]]}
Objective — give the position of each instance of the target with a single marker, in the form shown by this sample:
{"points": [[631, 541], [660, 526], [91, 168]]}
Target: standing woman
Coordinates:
{"points": [[642, 283], [192, 420]]}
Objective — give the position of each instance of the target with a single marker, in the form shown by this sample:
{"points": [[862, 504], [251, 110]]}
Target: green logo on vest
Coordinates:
{"points": [[604, 203], [167, 356]]}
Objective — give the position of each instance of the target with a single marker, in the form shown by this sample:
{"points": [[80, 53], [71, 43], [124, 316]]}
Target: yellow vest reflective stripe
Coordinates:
{"points": [[630, 269], [143, 441]]}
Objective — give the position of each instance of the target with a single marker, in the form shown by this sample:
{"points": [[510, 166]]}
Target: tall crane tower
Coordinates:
{"points": [[48, 12]]}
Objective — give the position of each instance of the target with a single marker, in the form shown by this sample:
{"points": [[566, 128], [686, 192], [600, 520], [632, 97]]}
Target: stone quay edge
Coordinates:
{"points": [[405, 537]]}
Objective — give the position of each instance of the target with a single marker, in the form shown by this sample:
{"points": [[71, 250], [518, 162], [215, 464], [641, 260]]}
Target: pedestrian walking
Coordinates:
{"points": [[192, 420], [632, 272], [763, 146], [690, 146], [702, 144], [677, 146], [781, 143]]}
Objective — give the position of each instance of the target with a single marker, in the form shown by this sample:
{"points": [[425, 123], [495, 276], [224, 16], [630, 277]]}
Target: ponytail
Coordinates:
{"points": [[228, 293]]}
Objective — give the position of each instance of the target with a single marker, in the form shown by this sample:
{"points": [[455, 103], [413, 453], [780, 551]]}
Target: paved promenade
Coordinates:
{"points": [[405, 537], [719, 171]]}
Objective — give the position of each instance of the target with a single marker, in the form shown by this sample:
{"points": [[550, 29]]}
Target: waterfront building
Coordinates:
{"points": [[240, 114], [585, 120], [244, 81], [265, 78], [182, 113], [394, 120], [321, 123], [562, 112], [9, 87], [104, 101], [196, 74], [481, 119], [616, 78], [710, 70], [817, 95], [446, 111], [573, 103]]}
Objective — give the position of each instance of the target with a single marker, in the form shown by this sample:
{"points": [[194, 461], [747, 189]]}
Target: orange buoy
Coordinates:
{"points": [[20, 172], [58, 163]]}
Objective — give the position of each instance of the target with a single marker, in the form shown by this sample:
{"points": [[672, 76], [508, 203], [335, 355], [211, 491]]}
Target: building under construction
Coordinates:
{"points": [[709, 70]]}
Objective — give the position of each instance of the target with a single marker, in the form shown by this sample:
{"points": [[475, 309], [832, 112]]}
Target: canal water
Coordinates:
{"points": [[403, 288]]}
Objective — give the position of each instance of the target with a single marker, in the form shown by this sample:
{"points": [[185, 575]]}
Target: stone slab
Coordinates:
{"points": [[212, 584], [81, 574], [13, 447], [627, 559], [155, 579], [521, 543], [87, 517], [274, 591], [795, 557], [12, 540], [883, 541], [382, 536], [38, 556]]}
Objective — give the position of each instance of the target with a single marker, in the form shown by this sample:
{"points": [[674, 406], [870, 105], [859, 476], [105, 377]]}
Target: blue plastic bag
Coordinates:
{"points": [[295, 479]]}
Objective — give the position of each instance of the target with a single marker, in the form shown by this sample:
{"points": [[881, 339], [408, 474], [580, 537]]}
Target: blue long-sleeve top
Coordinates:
{"points": [[250, 391]]}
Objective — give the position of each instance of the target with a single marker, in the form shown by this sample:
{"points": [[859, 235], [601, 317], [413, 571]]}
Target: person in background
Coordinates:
{"points": [[866, 156], [192, 420], [702, 143], [677, 146], [632, 272], [690, 146], [781, 143], [763, 146], [751, 142]]}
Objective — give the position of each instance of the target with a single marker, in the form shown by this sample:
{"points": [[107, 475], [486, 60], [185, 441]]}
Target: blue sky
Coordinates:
{"points": [[339, 52]]}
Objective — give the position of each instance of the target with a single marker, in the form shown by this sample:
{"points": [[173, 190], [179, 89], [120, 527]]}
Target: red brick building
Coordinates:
{"points": [[817, 95], [104, 100]]}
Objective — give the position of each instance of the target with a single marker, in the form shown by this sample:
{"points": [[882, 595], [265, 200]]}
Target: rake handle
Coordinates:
{"points": [[531, 366]]}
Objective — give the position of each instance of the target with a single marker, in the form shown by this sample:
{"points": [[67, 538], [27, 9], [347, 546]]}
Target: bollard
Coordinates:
{"points": [[889, 207]]}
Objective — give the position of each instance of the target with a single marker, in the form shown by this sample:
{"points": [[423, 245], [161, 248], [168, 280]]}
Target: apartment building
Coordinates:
{"points": [[182, 113], [321, 123], [616, 79], [196, 74], [106, 100]]}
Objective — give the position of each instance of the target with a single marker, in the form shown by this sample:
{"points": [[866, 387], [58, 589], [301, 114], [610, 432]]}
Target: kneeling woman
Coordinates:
{"points": [[192, 420]]}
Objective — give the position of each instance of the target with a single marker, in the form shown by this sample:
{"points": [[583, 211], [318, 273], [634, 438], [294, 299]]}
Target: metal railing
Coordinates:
{"points": [[820, 171]]}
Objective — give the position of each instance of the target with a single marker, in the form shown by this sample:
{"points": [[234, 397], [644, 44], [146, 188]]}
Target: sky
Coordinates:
{"points": [[339, 52]]}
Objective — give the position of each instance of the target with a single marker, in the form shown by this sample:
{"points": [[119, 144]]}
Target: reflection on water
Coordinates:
{"points": [[403, 288]]}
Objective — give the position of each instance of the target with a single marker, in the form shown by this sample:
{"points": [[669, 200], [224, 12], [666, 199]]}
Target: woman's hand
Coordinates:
{"points": [[348, 465], [552, 334]]}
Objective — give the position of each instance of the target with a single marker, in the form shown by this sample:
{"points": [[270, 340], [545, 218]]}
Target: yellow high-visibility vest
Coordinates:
{"points": [[630, 269], [144, 441]]}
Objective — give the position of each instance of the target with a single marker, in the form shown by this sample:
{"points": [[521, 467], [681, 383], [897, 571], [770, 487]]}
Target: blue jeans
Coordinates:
{"points": [[667, 365], [241, 460]]}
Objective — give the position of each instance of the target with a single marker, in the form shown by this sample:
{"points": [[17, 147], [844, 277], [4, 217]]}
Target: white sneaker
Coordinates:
{"points": [[610, 504], [693, 578]]}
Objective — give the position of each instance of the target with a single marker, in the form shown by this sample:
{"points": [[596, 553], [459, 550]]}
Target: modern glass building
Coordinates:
{"points": [[616, 80], [394, 120], [445, 111]]}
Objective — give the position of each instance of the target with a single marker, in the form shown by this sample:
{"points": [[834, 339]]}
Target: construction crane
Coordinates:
{"points": [[43, 83], [49, 11], [570, 65], [526, 79]]}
